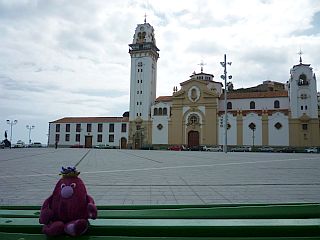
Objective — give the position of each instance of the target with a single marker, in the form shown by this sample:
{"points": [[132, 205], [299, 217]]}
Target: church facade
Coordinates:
{"points": [[273, 113]]}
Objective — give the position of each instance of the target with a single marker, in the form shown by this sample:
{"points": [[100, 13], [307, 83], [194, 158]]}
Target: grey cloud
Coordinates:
{"points": [[108, 93], [204, 47]]}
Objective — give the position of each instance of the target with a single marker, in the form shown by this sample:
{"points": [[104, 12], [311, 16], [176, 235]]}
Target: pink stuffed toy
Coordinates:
{"points": [[69, 207]]}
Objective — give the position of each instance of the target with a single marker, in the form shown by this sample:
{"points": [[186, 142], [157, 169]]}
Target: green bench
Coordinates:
{"points": [[178, 222]]}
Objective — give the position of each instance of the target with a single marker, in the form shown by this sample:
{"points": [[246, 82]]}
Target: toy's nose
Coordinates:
{"points": [[66, 192]]}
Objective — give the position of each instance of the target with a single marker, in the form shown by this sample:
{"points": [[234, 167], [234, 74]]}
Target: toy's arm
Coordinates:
{"points": [[46, 213], [92, 209]]}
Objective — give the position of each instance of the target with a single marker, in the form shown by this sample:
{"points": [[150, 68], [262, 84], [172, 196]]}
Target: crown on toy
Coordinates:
{"points": [[69, 172]]}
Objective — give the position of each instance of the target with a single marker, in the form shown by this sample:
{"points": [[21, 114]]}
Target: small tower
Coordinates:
{"points": [[143, 82], [304, 122]]}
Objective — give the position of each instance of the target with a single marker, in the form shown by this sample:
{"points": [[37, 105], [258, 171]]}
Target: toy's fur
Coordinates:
{"points": [[68, 209]]}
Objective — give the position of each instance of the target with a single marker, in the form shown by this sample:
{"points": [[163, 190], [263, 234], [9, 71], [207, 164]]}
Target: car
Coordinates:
{"points": [[287, 150], [103, 146], [266, 149], [241, 149], [176, 148], [19, 144], [35, 145], [212, 149], [311, 150]]}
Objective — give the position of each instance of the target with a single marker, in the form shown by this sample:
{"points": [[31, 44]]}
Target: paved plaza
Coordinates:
{"points": [[127, 177]]}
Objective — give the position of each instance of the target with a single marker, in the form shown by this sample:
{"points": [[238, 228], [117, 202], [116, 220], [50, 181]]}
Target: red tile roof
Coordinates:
{"points": [[164, 99], [241, 95], [91, 120]]}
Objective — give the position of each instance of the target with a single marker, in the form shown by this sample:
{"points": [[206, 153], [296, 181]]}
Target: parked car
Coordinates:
{"points": [[19, 144], [35, 145], [241, 149], [287, 150], [266, 149], [311, 150], [196, 148], [212, 149], [103, 146], [176, 148]]}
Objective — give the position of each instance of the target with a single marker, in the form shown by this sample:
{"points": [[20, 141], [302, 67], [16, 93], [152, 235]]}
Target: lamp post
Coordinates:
{"points": [[11, 123], [30, 127], [224, 77]]}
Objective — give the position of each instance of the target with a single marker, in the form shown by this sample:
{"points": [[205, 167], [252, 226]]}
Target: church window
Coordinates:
{"points": [[67, 137], [278, 125], [159, 126], [141, 81], [276, 104], [58, 128], [67, 127], [100, 127], [137, 103], [252, 105], [140, 103], [99, 138], [111, 138], [165, 111], [193, 119], [78, 127], [138, 81], [141, 69], [123, 127], [304, 126], [303, 80], [229, 105], [89, 127], [155, 111], [160, 111], [301, 107], [139, 64], [140, 114], [138, 127], [111, 127], [137, 92], [140, 92], [306, 107]]}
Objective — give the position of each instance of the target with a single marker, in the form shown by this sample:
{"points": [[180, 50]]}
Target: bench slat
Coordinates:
{"points": [[182, 227], [247, 212]]}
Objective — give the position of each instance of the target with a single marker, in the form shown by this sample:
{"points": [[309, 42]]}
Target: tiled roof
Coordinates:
{"points": [[91, 120], [243, 95], [164, 99]]}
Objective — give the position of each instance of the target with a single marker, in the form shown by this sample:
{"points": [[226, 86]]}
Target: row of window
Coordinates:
{"points": [[278, 125], [276, 104], [160, 111], [77, 138], [89, 127]]}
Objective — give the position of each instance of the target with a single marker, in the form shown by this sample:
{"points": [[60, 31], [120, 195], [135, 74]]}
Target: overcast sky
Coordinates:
{"points": [[63, 58]]}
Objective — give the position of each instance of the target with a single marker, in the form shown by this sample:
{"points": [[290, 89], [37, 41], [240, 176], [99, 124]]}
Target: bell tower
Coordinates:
{"points": [[304, 121], [143, 82]]}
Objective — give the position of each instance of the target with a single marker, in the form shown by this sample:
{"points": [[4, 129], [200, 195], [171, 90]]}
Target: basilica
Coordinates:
{"points": [[272, 113]]}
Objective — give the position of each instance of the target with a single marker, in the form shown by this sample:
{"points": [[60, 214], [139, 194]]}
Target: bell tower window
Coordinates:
{"points": [[303, 80]]}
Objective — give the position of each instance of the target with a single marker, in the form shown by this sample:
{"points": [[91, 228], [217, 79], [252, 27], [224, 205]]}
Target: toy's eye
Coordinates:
{"points": [[73, 185], [62, 185]]}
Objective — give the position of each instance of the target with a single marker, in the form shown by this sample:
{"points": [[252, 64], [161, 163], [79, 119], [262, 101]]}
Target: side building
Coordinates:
{"points": [[89, 131]]}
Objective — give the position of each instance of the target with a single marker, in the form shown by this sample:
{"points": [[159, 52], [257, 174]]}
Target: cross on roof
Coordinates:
{"points": [[202, 64], [145, 18]]}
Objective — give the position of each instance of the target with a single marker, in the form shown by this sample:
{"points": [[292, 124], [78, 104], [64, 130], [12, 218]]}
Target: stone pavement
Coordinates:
{"points": [[117, 177]]}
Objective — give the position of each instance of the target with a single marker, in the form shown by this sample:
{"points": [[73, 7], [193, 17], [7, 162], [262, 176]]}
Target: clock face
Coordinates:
{"points": [[141, 28]]}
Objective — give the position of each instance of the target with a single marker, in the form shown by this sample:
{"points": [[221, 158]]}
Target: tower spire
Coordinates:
{"points": [[300, 53], [145, 18]]}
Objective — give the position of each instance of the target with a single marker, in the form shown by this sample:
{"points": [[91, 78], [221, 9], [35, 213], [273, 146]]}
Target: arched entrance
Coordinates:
{"points": [[123, 144], [193, 138]]}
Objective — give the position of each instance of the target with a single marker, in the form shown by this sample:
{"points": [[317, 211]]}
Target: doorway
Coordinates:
{"points": [[123, 143], [88, 142], [193, 138]]}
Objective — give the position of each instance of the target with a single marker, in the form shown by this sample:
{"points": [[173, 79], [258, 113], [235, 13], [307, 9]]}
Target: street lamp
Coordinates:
{"points": [[11, 123], [30, 127], [224, 77]]}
